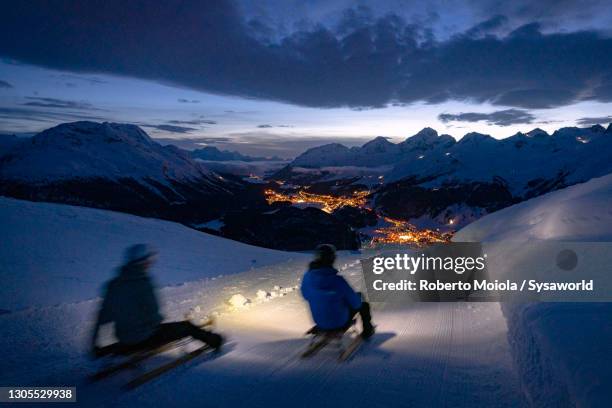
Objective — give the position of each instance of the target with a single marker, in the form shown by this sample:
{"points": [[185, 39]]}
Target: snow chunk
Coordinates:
{"points": [[263, 295], [238, 301]]}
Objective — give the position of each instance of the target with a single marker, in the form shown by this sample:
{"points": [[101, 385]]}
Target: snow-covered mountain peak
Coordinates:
{"points": [[328, 154], [81, 150], [598, 129], [326, 149], [378, 145], [378, 141], [84, 132], [537, 133], [474, 138], [426, 139], [425, 134]]}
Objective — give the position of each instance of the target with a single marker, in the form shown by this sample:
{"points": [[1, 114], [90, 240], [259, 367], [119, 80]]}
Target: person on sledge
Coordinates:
{"points": [[333, 303], [130, 302]]}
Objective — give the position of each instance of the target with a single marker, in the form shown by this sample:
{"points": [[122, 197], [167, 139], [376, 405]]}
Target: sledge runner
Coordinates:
{"points": [[333, 303], [131, 304]]}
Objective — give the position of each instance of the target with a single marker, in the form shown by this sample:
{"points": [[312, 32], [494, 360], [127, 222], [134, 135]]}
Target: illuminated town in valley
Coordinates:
{"points": [[403, 232], [389, 231], [327, 203]]}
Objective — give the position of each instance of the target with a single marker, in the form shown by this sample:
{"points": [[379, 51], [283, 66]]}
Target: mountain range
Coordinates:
{"points": [[430, 179], [435, 180], [212, 153]]}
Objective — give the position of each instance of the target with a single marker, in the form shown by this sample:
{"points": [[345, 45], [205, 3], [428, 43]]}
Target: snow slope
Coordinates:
{"points": [[578, 213], [54, 253], [563, 350], [426, 355]]}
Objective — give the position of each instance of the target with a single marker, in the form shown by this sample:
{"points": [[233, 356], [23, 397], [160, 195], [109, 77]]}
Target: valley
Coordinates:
{"points": [[410, 193], [385, 231]]}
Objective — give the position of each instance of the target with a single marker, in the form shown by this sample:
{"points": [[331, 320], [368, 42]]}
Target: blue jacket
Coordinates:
{"points": [[330, 297]]}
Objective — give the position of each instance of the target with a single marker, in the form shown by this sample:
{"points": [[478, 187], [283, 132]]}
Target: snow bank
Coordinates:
{"points": [[563, 350], [53, 253]]}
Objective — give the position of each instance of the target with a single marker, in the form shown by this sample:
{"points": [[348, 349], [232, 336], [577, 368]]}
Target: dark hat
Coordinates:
{"points": [[325, 254]]}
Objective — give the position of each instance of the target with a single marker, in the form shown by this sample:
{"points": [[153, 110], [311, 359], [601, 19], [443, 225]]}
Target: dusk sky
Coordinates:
{"points": [[277, 76]]}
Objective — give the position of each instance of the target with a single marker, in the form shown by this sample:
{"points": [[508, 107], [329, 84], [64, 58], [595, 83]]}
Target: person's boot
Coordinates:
{"points": [[368, 331], [366, 321], [216, 341]]}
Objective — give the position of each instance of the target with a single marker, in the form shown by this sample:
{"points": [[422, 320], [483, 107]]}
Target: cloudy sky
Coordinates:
{"points": [[277, 76]]}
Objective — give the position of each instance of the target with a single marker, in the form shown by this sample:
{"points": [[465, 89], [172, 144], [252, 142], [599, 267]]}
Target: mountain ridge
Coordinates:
{"points": [[213, 153], [117, 167], [426, 139], [436, 179]]}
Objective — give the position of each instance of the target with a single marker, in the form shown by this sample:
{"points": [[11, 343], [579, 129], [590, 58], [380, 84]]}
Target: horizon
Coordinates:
{"points": [[189, 144]]}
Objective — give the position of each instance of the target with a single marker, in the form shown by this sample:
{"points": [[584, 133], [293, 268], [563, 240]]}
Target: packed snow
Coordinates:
{"points": [[563, 350], [447, 354]]}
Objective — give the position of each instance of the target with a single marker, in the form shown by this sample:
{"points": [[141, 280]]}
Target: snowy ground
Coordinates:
{"points": [[424, 355], [429, 355], [563, 351]]}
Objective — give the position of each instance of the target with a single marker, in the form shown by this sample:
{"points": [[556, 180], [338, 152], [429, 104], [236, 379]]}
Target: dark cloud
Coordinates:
{"points": [[87, 79], [268, 126], [4, 84], [537, 98], [37, 115], [363, 61], [487, 27], [182, 100], [555, 13], [56, 103], [505, 117], [193, 122], [172, 128], [603, 92], [601, 120]]}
